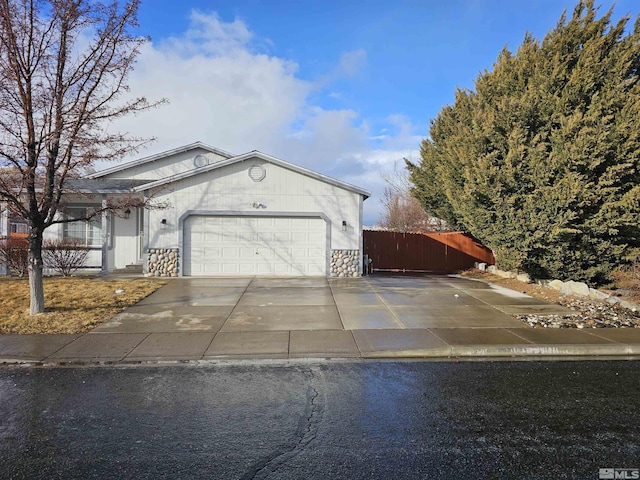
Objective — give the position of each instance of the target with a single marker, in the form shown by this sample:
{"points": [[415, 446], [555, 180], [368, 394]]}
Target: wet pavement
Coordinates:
{"points": [[319, 420], [194, 319]]}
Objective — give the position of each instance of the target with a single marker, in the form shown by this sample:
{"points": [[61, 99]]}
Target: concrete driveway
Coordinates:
{"points": [[386, 316], [371, 317]]}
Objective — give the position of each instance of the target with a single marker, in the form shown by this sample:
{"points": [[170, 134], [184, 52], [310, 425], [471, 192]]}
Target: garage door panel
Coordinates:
{"points": [[264, 222], [268, 238], [282, 269], [254, 246], [245, 252], [267, 253], [315, 238], [229, 252], [299, 237], [212, 252], [229, 221], [264, 269], [299, 222], [247, 268], [283, 237], [299, 252], [281, 222], [246, 237]]}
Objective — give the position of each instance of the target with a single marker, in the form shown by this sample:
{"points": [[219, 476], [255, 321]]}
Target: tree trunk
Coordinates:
{"points": [[35, 272]]}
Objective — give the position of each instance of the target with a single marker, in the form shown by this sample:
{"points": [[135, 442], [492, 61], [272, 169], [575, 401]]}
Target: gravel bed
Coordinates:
{"points": [[589, 314]]}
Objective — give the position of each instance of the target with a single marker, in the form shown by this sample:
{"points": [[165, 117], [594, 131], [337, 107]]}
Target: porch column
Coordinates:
{"points": [[105, 236], [145, 232]]}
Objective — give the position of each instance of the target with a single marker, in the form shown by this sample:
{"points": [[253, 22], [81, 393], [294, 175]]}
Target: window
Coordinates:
{"points": [[18, 228], [87, 232]]}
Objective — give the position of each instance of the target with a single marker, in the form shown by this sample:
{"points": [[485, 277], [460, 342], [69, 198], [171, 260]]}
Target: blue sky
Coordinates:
{"points": [[346, 88]]}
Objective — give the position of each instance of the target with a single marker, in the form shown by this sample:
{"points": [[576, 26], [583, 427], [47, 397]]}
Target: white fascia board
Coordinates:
{"points": [[159, 156], [267, 158]]}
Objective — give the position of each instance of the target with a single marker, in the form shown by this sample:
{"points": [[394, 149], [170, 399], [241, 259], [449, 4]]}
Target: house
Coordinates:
{"points": [[221, 214]]}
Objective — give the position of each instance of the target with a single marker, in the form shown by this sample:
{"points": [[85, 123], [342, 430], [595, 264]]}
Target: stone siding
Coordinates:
{"points": [[163, 262], [345, 263]]}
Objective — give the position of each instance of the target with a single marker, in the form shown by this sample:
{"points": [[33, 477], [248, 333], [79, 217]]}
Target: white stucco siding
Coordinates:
{"points": [[166, 166]]}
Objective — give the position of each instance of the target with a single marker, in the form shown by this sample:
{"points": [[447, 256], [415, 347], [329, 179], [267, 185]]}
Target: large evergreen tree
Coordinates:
{"points": [[542, 160]]}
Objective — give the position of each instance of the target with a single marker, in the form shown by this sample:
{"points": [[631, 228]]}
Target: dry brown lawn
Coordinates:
{"points": [[73, 305]]}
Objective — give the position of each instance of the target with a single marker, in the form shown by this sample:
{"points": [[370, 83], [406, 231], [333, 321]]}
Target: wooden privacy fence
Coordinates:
{"points": [[429, 252]]}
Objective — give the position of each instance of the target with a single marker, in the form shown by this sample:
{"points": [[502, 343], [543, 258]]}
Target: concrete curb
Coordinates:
{"points": [[529, 351], [451, 352]]}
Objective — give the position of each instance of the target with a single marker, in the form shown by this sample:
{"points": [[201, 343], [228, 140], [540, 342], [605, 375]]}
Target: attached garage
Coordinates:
{"points": [[222, 214], [254, 245]]}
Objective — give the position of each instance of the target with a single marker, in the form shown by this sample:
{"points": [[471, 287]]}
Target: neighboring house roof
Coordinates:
{"points": [[246, 156], [101, 185], [158, 156], [80, 185]]}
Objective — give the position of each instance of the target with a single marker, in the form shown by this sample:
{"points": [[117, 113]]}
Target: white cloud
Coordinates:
{"points": [[220, 92], [351, 63], [224, 93]]}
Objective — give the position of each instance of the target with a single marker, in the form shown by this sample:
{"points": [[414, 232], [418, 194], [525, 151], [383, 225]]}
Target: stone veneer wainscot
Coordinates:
{"points": [[345, 263], [163, 262]]}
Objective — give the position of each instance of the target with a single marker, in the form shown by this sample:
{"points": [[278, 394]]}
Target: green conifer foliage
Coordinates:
{"points": [[541, 161]]}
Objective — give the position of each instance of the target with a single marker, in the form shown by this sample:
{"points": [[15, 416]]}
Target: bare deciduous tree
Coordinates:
{"points": [[63, 71], [402, 212]]}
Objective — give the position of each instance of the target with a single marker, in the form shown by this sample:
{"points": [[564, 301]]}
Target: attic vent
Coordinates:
{"points": [[257, 173], [200, 161]]}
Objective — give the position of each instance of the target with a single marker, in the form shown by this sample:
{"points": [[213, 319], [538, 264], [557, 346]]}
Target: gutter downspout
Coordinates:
{"points": [[105, 236]]}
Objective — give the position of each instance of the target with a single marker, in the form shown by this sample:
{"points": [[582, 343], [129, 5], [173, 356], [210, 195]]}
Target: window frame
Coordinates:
{"points": [[91, 229]]}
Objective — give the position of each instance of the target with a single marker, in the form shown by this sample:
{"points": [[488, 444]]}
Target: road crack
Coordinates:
{"points": [[306, 432]]}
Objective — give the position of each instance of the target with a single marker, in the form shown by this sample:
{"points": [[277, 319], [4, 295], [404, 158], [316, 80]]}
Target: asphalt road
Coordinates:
{"points": [[382, 420]]}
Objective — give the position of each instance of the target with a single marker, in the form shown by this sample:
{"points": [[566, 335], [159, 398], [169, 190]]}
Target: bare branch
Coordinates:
{"points": [[402, 212], [64, 66]]}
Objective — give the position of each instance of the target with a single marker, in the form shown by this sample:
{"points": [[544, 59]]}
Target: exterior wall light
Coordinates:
{"points": [[344, 225], [127, 214]]}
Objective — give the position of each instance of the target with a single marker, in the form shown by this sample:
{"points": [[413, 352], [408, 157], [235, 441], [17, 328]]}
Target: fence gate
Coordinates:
{"points": [[417, 252]]}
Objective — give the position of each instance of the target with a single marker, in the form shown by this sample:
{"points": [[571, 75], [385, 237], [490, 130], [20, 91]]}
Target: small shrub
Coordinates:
{"points": [[14, 253], [64, 256], [628, 277]]}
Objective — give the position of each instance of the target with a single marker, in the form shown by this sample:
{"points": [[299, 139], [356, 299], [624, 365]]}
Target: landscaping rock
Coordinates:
{"points": [[629, 305], [556, 285], [588, 314], [505, 274], [597, 294], [575, 288]]}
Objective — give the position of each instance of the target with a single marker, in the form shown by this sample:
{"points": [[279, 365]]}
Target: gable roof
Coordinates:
{"points": [[246, 156], [159, 156]]}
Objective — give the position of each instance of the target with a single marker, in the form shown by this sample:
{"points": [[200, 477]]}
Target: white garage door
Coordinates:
{"points": [[254, 246]]}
